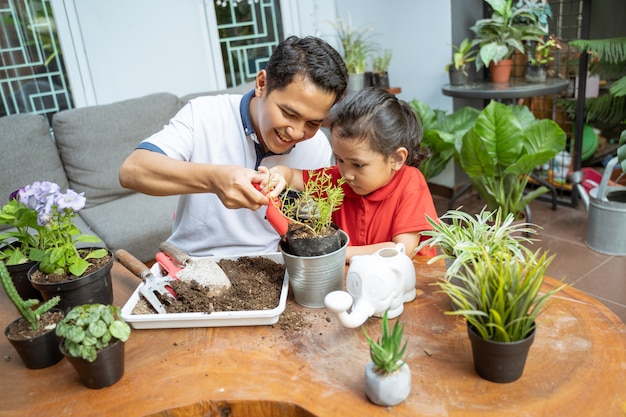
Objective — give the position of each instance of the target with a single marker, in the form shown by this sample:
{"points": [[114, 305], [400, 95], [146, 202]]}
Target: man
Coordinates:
{"points": [[210, 150]]}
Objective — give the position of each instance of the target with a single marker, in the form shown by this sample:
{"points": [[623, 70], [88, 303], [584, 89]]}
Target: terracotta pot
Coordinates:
{"points": [[106, 370], [498, 361], [40, 351], [501, 73], [93, 288]]}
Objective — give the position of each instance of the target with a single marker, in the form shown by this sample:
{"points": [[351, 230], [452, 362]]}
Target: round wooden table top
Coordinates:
{"points": [[576, 366]]}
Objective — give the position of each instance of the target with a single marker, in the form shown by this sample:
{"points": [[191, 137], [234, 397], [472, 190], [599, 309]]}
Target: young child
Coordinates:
{"points": [[376, 144]]}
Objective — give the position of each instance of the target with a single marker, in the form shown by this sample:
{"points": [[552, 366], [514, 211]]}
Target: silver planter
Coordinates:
{"points": [[312, 277]]}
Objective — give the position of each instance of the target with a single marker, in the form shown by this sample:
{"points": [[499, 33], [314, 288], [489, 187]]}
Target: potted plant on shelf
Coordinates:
{"points": [[380, 68], [500, 152], [387, 375], [464, 54], [500, 298], [540, 53], [501, 34], [356, 49], [33, 335], [93, 341], [78, 274], [313, 248]]}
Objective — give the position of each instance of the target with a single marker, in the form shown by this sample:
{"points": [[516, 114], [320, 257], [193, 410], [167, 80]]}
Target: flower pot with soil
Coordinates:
{"points": [[499, 296], [33, 335], [44, 217], [387, 375], [93, 340], [313, 247]]}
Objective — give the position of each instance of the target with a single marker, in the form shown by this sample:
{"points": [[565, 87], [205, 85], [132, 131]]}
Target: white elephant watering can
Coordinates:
{"points": [[376, 283]]}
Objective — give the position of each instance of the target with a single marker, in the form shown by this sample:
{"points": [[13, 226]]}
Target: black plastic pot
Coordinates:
{"points": [[312, 246], [40, 351], [498, 361], [93, 288], [535, 73], [19, 276], [381, 80], [106, 370], [458, 77]]}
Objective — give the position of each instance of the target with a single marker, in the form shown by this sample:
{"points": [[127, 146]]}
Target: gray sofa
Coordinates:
{"points": [[83, 151]]}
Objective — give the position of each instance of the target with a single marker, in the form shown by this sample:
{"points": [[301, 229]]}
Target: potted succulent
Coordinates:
{"points": [[464, 54], [501, 34], [500, 152], [46, 233], [313, 248], [356, 49], [380, 68], [33, 335], [540, 53], [441, 131], [93, 341], [500, 297], [387, 375]]}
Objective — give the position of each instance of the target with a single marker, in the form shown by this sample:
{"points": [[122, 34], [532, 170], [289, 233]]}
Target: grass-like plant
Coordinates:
{"points": [[500, 294], [314, 206], [461, 237], [89, 328], [25, 307], [387, 353]]}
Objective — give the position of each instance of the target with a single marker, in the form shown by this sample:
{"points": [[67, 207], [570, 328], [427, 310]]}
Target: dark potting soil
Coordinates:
{"points": [[95, 264], [256, 285], [21, 330]]}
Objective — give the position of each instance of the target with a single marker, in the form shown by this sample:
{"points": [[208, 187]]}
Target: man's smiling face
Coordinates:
{"points": [[285, 117]]}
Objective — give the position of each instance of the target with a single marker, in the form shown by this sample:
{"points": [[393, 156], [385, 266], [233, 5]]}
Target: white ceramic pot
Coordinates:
{"points": [[387, 390]]}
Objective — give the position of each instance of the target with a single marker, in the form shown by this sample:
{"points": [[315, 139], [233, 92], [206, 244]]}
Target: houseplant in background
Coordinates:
{"points": [[464, 54], [500, 298], [500, 152], [442, 131], [33, 336], [499, 35], [380, 68], [93, 341], [63, 268], [356, 48], [539, 54], [387, 375]]}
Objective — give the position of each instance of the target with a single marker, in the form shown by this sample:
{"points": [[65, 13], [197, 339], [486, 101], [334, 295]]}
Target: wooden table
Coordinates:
{"points": [[576, 367]]}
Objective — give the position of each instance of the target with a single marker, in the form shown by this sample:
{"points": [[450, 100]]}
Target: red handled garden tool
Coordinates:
{"points": [[179, 265], [153, 285], [275, 217]]}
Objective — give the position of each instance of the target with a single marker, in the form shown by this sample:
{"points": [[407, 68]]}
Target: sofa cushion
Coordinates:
{"points": [[28, 154], [94, 141], [137, 223]]}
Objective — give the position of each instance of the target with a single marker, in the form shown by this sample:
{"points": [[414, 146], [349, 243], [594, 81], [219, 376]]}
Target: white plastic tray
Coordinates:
{"points": [[215, 319]]}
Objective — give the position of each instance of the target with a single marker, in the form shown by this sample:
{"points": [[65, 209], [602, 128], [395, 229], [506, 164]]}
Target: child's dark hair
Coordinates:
{"points": [[377, 116], [310, 57]]}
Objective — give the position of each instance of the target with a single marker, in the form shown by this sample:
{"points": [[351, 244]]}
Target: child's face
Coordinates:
{"points": [[365, 170], [288, 116]]}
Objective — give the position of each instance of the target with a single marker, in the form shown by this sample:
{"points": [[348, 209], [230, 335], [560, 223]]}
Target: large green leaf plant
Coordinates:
{"points": [[500, 152]]}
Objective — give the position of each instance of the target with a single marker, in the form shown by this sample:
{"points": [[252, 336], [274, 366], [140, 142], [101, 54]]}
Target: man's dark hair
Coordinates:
{"points": [[310, 57]]}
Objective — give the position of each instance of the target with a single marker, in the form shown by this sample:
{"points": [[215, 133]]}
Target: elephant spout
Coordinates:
{"points": [[339, 302]]}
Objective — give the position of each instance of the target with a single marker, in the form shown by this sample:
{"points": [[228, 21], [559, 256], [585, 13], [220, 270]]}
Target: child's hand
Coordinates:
{"points": [[271, 181]]}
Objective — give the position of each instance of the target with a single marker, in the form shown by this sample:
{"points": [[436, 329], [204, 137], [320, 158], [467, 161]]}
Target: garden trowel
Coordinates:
{"points": [[153, 285], [205, 271]]}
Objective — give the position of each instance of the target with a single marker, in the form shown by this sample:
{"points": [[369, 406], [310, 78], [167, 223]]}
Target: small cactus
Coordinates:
{"points": [[25, 307]]}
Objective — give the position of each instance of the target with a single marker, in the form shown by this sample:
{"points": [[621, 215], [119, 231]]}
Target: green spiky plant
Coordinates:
{"points": [[25, 307], [500, 294], [387, 353], [314, 206]]}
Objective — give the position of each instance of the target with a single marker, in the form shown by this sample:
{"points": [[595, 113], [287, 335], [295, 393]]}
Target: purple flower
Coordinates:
{"points": [[71, 200]]}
